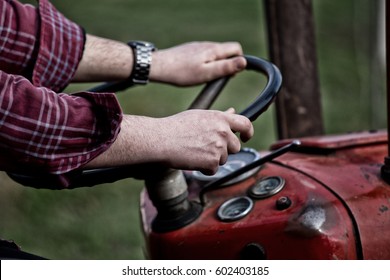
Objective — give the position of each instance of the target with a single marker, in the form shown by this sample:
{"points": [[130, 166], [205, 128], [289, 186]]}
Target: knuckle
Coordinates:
{"points": [[223, 134], [219, 144]]}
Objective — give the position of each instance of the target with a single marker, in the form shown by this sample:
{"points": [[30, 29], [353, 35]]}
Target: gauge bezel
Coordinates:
{"points": [[277, 189], [231, 203]]}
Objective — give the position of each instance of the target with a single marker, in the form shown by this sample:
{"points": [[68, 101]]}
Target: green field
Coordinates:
{"points": [[103, 222]]}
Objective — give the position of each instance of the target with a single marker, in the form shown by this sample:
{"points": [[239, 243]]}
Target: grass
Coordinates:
{"points": [[103, 222]]}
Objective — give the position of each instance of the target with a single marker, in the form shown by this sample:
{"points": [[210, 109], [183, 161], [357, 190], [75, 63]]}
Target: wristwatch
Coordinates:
{"points": [[142, 61]]}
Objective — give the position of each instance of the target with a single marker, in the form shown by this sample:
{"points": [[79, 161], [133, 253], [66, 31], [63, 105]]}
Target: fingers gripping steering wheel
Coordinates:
{"points": [[211, 91], [204, 100]]}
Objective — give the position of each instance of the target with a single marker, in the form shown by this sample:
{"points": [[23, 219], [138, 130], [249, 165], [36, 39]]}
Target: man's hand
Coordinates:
{"points": [[191, 140], [183, 65], [196, 63], [201, 140]]}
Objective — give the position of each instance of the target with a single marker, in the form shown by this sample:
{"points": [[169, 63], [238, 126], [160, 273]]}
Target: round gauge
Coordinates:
{"points": [[233, 163], [235, 209], [267, 187]]}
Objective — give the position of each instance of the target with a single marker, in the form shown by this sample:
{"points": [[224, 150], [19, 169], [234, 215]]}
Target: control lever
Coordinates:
{"points": [[219, 183]]}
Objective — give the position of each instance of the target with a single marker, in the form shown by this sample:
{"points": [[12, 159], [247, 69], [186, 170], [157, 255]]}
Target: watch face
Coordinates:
{"points": [[233, 163]]}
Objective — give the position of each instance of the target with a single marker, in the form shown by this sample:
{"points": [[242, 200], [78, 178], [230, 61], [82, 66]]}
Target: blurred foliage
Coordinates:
{"points": [[103, 222]]}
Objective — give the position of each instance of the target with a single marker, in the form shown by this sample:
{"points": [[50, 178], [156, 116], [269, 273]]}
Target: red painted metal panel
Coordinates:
{"points": [[354, 175], [340, 208]]}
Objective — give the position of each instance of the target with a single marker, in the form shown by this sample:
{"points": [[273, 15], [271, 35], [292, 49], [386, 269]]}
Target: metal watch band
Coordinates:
{"points": [[142, 61]]}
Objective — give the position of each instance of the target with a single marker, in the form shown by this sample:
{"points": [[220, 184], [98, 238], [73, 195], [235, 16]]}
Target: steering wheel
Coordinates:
{"points": [[204, 100]]}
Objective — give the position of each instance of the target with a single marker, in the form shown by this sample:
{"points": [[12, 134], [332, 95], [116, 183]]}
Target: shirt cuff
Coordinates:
{"points": [[61, 45]]}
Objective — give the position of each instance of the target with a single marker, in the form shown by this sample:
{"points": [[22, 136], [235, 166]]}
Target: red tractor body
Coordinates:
{"points": [[333, 205]]}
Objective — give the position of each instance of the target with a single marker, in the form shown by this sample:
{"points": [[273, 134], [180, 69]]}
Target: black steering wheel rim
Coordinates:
{"points": [[274, 83], [211, 91]]}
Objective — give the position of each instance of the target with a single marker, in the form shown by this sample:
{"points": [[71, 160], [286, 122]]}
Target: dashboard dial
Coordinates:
{"points": [[267, 187]]}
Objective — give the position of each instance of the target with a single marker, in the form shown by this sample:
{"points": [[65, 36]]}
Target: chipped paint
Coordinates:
{"points": [[309, 221]]}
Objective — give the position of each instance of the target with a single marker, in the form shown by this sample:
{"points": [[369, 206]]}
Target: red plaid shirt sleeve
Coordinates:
{"points": [[41, 129]]}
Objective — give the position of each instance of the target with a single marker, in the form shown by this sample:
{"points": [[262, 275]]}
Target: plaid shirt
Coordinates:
{"points": [[42, 130]]}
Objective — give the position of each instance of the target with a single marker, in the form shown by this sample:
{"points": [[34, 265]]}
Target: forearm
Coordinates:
{"points": [[133, 145], [104, 60]]}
